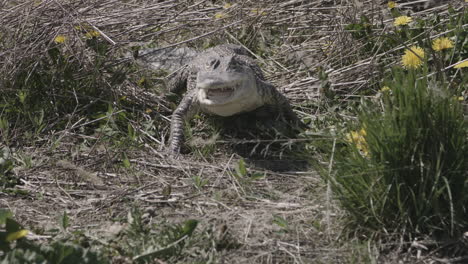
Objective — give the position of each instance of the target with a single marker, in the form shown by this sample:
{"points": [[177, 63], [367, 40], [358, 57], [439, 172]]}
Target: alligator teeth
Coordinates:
{"points": [[220, 92]]}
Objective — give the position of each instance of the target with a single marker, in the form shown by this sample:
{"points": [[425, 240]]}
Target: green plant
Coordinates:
{"points": [[16, 248], [6, 167], [199, 182], [244, 178], [4, 129], [164, 241], [406, 168], [281, 223]]}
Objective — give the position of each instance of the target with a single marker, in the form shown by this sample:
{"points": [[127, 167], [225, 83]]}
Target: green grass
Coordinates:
{"points": [[401, 167], [412, 177], [135, 240]]}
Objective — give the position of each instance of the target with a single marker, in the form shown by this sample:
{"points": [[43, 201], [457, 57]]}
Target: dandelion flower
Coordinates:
{"points": [[219, 15], [258, 12], [363, 132], [460, 98], [92, 34], [358, 138], [402, 21], [441, 44], [17, 235], [353, 136], [141, 82], [463, 64], [60, 39], [391, 4], [227, 5], [412, 59], [385, 89]]}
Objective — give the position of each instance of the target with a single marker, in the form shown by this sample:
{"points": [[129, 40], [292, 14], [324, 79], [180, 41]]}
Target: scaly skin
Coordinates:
{"points": [[222, 67]]}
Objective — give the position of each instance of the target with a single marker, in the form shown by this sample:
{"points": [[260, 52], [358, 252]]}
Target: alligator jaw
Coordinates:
{"points": [[220, 93]]}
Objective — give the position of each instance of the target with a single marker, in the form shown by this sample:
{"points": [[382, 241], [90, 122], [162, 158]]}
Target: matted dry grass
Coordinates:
{"points": [[290, 39]]}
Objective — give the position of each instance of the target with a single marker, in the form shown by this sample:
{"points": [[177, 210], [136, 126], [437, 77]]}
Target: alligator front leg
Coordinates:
{"points": [[187, 107]]}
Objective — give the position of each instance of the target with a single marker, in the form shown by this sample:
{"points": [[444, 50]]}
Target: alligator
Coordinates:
{"points": [[223, 80]]}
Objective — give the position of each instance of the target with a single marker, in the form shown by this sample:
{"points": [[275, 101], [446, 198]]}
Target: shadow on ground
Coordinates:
{"points": [[263, 139]]}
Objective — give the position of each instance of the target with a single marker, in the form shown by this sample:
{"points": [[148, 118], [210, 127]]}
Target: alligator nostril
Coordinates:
{"points": [[214, 63]]}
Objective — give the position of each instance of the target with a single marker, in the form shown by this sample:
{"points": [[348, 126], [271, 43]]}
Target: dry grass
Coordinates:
{"points": [[82, 173]]}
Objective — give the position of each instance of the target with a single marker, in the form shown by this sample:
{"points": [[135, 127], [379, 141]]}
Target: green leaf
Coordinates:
{"points": [[4, 215], [281, 222], [257, 176], [189, 227], [22, 96], [65, 220], [12, 226], [167, 190], [125, 161], [240, 168]]}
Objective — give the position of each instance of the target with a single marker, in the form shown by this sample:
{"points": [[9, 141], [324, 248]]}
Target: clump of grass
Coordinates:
{"points": [[403, 166], [141, 240], [15, 247], [407, 169]]}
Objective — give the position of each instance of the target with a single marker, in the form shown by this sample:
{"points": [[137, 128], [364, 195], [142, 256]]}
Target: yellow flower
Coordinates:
{"points": [[385, 89], [220, 15], [363, 132], [391, 4], [442, 43], [60, 39], [227, 5], [83, 26], [460, 98], [258, 12], [402, 21], [462, 64], [412, 57], [358, 138], [92, 34], [141, 82], [148, 110], [17, 235]]}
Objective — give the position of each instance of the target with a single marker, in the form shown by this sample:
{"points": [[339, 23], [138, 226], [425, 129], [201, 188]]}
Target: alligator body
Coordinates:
{"points": [[222, 81]]}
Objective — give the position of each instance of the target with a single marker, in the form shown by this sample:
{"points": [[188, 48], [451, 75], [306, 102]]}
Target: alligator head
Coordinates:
{"points": [[226, 86]]}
